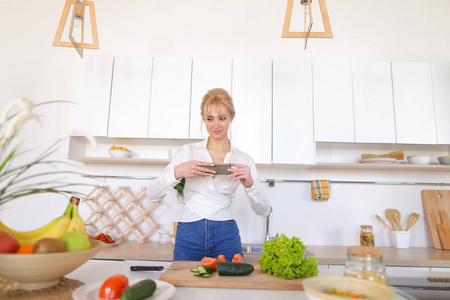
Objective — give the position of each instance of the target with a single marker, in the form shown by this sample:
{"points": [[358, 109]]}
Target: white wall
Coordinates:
{"points": [[401, 30]]}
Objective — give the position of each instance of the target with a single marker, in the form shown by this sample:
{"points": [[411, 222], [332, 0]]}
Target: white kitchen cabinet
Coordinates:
{"points": [[207, 73], [251, 129], [293, 125], [333, 102], [130, 97], [91, 91], [170, 98], [373, 102], [440, 73], [413, 98]]}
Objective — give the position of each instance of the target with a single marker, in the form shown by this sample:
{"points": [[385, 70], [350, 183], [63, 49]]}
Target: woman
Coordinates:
{"points": [[206, 226]]}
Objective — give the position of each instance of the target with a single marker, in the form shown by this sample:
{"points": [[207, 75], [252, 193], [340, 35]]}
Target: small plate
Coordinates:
{"points": [[164, 290], [379, 160], [113, 244]]}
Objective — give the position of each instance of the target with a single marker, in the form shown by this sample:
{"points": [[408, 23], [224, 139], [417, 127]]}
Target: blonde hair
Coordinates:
{"points": [[220, 98]]}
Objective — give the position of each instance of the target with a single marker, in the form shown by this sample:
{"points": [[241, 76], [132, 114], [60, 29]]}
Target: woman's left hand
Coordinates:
{"points": [[242, 173]]}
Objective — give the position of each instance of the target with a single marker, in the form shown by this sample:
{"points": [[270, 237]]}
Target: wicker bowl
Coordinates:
{"points": [[38, 271], [315, 288]]}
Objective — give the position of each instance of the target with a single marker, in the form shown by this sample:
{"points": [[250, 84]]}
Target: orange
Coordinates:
{"points": [[87, 235], [26, 249]]}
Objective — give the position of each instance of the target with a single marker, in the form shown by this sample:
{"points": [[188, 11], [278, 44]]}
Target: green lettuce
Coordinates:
{"points": [[284, 258]]}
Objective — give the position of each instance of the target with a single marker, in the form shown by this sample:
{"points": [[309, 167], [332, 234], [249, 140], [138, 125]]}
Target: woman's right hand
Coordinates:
{"points": [[193, 168]]}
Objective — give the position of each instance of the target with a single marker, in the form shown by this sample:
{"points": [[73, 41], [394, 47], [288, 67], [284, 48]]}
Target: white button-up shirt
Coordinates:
{"points": [[208, 197]]}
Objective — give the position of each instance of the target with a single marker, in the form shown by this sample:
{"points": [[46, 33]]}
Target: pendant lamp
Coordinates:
{"points": [[308, 21], [77, 24]]}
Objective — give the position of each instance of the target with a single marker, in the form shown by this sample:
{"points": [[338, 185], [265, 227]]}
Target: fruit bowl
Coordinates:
{"points": [[119, 153], [38, 271], [315, 288]]}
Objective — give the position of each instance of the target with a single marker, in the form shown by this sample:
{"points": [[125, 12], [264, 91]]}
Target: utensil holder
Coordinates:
{"points": [[400, 239]]}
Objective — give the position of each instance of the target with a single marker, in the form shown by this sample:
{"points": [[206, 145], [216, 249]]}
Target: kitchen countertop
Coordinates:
{"points": [[94, 272], [326, 255]]}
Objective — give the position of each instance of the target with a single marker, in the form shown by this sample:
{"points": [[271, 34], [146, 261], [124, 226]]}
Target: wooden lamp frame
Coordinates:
{"points": [[78, 7], [307, 34]]}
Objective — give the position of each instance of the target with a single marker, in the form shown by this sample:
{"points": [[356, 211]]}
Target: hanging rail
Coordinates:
{"points": [[271, 182]]}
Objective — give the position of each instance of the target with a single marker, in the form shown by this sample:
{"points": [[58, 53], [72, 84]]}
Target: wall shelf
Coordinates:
{"points": [[329, 166], [390, 167]]}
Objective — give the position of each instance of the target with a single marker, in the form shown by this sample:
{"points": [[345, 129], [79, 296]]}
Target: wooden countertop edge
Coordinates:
{"points": [[326, 255]]}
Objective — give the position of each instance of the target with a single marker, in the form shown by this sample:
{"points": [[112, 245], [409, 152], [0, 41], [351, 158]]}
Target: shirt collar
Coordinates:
{"points": [[204, 143]]}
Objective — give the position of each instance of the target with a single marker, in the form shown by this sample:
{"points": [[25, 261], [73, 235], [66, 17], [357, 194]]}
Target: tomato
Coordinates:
{"points": [[238, 258], [209, 262], [221, 258], [113, 287]]}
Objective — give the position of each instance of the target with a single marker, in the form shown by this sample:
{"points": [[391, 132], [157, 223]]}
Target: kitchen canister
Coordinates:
{"points": [[366, 237], [365, 263]]}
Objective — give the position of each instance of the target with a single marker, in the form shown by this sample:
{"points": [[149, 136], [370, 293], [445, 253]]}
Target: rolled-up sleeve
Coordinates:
{"points": [[258, 202], [161, 186]]}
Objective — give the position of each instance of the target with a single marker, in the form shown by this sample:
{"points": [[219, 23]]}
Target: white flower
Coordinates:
{"points": [[15, 181]]}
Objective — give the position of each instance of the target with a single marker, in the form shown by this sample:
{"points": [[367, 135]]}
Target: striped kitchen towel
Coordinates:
{"points": [[320, 190]]}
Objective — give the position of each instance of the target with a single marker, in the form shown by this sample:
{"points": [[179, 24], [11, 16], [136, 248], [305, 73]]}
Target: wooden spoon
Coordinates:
{"points": [[413, 217], [390, 215], [379, 218], [397, 219], [399, 155]]}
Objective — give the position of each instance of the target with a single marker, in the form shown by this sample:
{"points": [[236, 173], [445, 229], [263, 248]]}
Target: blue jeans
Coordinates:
{"points": [[195, 240]]}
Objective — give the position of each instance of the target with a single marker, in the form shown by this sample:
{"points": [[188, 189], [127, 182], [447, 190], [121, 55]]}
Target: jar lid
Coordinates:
{"points": [[364, 251], [366, 226]]}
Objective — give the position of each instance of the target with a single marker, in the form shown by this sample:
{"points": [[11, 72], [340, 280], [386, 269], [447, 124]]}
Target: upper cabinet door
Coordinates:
{"points": [[413, 98], [252, 94], [333, 102], [91, 91], [373, 102], [207, 73], [170, 98], [441, 90], [293, 125], [130, 97]]}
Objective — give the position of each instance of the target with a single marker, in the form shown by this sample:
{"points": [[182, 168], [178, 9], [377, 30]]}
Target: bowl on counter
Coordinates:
{"points": [[419, 159], [119, 153], [38, 271], [444, 160], [316, 288]]}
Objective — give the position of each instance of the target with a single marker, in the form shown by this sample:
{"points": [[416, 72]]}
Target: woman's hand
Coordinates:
{"points": [[193, 168], [242, 173]]}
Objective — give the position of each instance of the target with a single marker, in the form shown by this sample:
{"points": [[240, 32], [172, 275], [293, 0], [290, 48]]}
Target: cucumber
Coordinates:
{"points": [[143, 289], [234, 268]]}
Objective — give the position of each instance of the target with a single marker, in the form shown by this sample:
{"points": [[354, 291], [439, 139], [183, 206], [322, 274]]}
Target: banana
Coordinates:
{"points": [[76, 223], [25, 235], [55, 231]]}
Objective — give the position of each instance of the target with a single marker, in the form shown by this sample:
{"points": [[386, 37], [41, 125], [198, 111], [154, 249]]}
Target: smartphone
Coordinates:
{"points": [[221, 169]]}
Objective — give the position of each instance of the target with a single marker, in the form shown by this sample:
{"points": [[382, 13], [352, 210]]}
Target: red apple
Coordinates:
{"points": [[8, 243]]}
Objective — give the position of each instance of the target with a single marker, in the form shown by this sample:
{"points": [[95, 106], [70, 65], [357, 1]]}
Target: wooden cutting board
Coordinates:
{"points": [[434, 201], [444, 230], [256, 280]]}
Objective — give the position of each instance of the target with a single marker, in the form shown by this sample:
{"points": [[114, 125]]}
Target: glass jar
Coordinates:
{"points": [[163, 237], [366, 237], [365, 263]]}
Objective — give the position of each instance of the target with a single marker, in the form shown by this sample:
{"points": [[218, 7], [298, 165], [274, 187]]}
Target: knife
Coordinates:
{"points": [[150, 268]]}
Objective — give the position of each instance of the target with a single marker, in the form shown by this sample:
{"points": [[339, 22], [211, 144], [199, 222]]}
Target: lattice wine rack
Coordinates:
{"points": [[120, 214]]}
